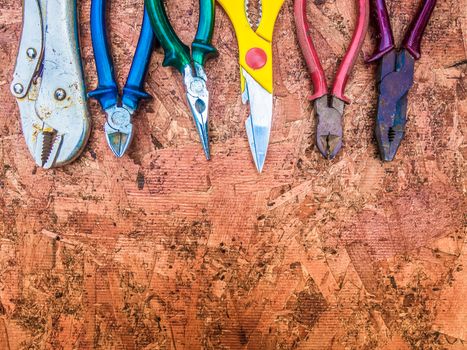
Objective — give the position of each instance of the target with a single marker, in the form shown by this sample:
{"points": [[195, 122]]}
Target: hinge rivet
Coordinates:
{"points": [[18, 88], [32, 53], [60, 94]]}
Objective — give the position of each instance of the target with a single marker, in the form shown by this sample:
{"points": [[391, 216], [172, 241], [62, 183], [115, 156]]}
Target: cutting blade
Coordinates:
{"points": [[258, 124], [329, 110], [119, 129]]}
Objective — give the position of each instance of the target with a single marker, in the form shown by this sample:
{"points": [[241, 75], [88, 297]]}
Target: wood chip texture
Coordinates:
{"points": [[164, 250]]}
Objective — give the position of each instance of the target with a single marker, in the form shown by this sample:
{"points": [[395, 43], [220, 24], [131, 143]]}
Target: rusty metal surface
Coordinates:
{"points": [[163, 250]]}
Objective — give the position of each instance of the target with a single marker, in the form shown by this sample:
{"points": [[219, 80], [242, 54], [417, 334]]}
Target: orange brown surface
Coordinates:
{"points": [[163, 250]]}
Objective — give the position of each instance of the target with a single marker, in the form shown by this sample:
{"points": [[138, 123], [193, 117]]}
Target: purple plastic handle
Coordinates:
{"points": [[413, 39], [386, 38]]}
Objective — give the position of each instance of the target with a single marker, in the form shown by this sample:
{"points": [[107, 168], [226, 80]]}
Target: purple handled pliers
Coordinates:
{"points": [[396, 75]]}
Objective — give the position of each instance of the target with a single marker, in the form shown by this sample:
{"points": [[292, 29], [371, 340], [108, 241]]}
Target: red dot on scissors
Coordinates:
{"points": [[256, 58]]}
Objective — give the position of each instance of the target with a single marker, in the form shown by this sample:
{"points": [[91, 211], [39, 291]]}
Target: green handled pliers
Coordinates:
{"points": [[189, 64]]}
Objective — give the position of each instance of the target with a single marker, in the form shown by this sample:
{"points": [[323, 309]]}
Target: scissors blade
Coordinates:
{"points": [[258, 124]]}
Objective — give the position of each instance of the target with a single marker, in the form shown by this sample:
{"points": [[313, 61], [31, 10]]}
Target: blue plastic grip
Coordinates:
{"points": [[107, 90], [133, 91]]}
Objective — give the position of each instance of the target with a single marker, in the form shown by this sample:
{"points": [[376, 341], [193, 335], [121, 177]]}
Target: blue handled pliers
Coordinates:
{"points": [[119, 109]]}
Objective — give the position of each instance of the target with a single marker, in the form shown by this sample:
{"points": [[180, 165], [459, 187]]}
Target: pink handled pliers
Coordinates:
{"points": [[329, 107]]}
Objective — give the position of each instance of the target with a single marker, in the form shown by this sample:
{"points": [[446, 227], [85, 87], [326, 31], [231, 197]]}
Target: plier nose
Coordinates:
{"points": [[389, 139], [329, 110], [118, 129], [197, 95]]}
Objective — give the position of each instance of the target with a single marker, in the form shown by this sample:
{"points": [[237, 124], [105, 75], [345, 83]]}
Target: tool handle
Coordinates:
{"points": [[201, 46], [351, 55], [177, 54], [412, 41], [133, 91], [385, 35], [309, 51], [107, 90]]}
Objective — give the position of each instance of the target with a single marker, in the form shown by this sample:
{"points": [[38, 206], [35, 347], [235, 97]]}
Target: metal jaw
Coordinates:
{"points": [[50, 92], [329, 110], [119, 129], [396, 74], [197, 96], [258, 124]]}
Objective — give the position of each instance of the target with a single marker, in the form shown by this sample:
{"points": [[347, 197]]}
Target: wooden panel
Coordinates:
{"points": [[163, 250]]}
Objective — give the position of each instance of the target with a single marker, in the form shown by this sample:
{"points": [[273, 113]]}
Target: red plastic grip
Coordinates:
{"points": [[351, 55], [309, 51]]}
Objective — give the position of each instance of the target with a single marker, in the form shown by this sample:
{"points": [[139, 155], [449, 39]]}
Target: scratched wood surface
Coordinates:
{"points": [[163, 250]]}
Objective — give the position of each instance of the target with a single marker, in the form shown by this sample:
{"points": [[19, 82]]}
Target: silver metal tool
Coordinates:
{"points": [[48, 83]]}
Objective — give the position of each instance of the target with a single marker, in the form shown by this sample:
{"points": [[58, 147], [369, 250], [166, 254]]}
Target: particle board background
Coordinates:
{"points": [[163, 250]]}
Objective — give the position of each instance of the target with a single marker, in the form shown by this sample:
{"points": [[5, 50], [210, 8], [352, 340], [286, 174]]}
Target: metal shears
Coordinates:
{"points": [[255, 49], [190, 65], [119, 109], [396, 75], [48, 83], [329, 107]]}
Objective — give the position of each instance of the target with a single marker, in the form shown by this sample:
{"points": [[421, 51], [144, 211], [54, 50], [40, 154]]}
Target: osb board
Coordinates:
{"points": [[163, 250]]}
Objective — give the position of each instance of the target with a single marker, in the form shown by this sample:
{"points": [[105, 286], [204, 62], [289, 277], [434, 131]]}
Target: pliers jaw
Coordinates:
{"points": [[119, 129], [197, 95], [395, 74], [389, 139], [329, 110]]}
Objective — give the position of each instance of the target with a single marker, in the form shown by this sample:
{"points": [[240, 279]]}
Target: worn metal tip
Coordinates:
{"points": [[389, 140], [202, 128], [329, 145]]}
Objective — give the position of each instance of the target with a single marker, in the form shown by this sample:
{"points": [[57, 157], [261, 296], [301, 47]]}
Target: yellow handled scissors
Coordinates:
{"points": [[255, 48]]}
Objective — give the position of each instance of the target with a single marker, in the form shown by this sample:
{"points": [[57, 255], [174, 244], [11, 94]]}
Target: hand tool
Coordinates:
{"points": [[255, 58], [396, 75], [119, 109], [191, 66], [48, 83], [329, 107]]}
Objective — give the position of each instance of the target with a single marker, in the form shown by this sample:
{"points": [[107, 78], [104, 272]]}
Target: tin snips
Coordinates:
{"points": [[48, 83]]}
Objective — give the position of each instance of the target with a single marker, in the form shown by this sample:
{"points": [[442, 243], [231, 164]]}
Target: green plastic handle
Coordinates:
{"points": [[177, 54], [201, 47]]}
